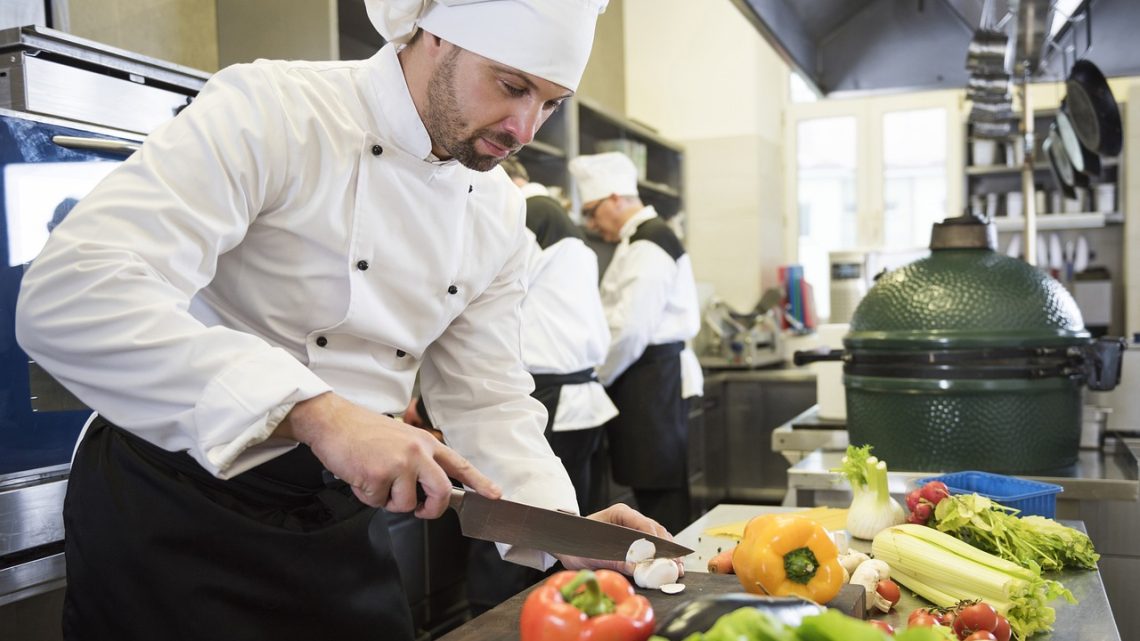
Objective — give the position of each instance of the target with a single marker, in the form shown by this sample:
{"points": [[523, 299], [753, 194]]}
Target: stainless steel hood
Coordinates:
{"points": [[857, 46]]}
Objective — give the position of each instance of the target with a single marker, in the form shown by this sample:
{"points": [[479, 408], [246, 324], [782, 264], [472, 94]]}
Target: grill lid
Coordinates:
{"points": [[966, 295]]}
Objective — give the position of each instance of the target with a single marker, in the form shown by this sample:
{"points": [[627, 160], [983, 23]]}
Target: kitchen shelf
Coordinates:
{"points": [[995, 170], [546, 148], [660, 188], [1046, 222]]}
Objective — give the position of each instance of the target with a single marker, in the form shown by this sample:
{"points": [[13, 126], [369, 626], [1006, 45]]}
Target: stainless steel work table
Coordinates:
{"points": [[1109, 474], [1089, 620]]}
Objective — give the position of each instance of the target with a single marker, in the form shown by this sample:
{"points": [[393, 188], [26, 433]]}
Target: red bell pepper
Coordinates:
{"points": [[586, 605]]}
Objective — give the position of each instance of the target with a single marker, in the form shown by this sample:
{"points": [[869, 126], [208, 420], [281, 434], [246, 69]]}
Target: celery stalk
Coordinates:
{"points": [[944, 570]]}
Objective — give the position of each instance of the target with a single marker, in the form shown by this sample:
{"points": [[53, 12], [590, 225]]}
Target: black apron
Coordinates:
{"points": [[649, 438], [156, 547], [576, 447]]}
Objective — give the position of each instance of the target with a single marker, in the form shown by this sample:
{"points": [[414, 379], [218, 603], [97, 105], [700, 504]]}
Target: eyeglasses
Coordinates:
{"points": [[588, 212]]}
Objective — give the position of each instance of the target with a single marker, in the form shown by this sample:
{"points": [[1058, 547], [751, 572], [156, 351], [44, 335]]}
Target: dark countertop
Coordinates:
{"points": [[502, 622]]}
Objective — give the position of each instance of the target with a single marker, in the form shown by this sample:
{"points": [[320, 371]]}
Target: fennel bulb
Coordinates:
{"points": [[872, 508]]}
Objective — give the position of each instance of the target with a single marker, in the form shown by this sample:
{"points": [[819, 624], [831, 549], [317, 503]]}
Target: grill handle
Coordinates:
{"points": [[817, 356], [1103, 363]]}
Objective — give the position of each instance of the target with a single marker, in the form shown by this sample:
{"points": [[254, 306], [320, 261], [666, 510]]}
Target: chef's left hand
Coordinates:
{"points": [[620, 514]]}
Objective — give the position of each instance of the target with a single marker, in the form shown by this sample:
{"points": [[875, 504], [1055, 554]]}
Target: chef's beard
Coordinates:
{"points": [[445, 124]]}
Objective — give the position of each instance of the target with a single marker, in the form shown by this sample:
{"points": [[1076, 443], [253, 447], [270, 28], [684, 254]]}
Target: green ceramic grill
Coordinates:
{"points": [[969, 359]]}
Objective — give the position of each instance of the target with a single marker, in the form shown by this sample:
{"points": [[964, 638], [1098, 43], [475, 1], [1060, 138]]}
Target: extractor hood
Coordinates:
{"points": [[856, 46]]}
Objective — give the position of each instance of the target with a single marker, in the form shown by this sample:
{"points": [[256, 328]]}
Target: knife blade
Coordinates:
{"points": [[554, 532]]}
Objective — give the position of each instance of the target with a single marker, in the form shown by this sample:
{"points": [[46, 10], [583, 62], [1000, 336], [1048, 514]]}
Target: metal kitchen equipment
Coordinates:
{"points": [[1093, 109], [741, 338], [970, 359], [39, 182], [52, 73], [70, 110]]}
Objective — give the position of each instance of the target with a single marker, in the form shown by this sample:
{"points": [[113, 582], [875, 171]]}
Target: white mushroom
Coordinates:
{"points": [[852, 560], [640, 550], [655, 573], [868, 575]]}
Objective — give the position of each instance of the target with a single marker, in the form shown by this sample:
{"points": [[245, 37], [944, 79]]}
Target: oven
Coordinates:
{"points": [[46, 166], [71, 110]]}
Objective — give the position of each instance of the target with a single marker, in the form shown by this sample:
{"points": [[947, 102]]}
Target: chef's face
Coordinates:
{"points": [[480, 111], [604, 217]]}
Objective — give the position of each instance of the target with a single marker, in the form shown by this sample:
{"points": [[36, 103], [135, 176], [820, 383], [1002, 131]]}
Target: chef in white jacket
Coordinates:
{"points": [[250, 294], [650, 301]]}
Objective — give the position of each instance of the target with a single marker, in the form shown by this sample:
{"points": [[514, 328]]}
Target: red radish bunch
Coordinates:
{"points": [[921, 501]]}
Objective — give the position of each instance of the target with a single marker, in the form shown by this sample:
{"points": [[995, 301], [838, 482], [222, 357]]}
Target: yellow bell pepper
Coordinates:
{"points": [[784, 554]]}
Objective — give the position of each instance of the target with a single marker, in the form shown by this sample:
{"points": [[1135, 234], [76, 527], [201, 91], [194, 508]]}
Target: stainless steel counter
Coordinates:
{"points": [[1091, 619], [749, 374], [1111, 473]]}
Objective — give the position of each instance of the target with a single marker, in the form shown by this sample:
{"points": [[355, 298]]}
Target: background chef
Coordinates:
{"points": [[650, 301]]}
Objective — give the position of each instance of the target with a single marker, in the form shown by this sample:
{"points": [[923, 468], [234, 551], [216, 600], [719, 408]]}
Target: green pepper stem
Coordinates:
{"points": [[591, 599], [800, 565]]}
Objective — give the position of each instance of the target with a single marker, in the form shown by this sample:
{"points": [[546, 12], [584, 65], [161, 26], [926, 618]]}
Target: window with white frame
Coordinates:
{"points": [[826, 197], [914, 176]]}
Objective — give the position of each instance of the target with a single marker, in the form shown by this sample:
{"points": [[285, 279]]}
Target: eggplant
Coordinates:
{"points": [[700, 614]]}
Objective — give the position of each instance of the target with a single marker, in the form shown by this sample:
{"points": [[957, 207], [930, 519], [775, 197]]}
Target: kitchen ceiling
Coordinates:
{"points": [[858, 46]]}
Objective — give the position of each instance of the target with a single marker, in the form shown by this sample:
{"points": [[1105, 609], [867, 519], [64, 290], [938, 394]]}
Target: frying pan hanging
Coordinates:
{"points": [[1058, 163], [1084, 161], [1093, 110]]}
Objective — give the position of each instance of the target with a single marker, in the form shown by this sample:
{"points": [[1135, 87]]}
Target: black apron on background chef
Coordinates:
{"points": [[292, 234], [650, 300]]}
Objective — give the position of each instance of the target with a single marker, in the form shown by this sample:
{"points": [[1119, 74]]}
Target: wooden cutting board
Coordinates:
{"points": [[502, 622]]}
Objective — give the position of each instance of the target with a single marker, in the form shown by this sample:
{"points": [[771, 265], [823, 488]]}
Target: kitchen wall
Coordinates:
{"points": [[180, 31], [604, 79], [280, 29], [702, 76]]}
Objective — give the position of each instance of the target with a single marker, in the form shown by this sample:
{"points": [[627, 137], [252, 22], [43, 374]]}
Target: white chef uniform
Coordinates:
{"points": [[564, 329], [650, 298], [194, 311]]}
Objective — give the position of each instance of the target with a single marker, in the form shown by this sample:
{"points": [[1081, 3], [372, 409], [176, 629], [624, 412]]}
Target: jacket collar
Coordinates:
{"points": [[391, 93], [631, 225]]}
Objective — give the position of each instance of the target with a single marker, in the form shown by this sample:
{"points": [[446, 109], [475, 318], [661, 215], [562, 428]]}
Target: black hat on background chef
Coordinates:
{"points": [[550, 39], [600, 176]]}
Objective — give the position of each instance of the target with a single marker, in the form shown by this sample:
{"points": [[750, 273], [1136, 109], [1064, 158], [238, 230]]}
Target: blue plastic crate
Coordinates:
{"points": [[1031, 497]]}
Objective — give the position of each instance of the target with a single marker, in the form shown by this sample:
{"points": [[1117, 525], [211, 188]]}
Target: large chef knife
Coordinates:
{"points": [[551, 531]]}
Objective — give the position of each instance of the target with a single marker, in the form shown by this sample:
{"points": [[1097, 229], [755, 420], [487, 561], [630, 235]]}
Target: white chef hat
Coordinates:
{"points": [[550, 39], [600, 175]]}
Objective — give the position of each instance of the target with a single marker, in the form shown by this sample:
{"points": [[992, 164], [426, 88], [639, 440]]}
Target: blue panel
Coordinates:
{"points": [[35, 194]]}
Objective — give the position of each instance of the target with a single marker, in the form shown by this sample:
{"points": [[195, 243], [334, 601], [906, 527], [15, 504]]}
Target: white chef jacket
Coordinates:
{"points": [[288, 234], [649, 299], [564, 329]]}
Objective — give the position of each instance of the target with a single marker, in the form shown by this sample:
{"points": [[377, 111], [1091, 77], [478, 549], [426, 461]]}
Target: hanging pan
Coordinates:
{"points": [[1059, 163], [1084, 161], [1092, 109]]}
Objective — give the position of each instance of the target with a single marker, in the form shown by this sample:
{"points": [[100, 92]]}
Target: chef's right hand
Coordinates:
{"points": [[381, 458]]}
